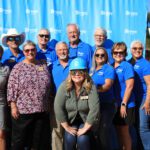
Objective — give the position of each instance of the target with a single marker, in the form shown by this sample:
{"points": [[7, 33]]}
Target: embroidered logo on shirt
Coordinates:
{"points": [[80, 54], [40, 68], [84, 97], [136, 66], [119, 70], [100, 73]]}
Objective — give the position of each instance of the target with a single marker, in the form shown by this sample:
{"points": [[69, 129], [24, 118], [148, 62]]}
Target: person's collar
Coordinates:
{"points": [[80, 43]]}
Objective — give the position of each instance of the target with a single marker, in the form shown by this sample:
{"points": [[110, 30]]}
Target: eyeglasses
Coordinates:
{"points": [[29, 50], [13, 38], [99, 55], [120, 53], [77, 72], [137, 48], [98, 35], [44, 35]]}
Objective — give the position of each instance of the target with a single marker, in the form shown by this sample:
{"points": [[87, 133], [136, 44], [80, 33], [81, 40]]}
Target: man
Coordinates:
{"points": [[77, 48], [100, 38], [60, 70], [142, 94], [13, 39], [45, 53]]}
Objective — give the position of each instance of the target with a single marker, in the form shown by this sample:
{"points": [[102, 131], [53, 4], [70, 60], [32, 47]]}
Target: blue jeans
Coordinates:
{"points": [[143, 128], [82, 142], [106, 117]]}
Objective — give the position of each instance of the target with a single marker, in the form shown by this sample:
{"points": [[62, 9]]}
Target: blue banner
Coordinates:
{"points": [[124, 20]]}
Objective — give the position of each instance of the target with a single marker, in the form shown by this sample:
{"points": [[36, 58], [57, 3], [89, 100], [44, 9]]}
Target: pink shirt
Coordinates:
{"points": [[29, 87]]}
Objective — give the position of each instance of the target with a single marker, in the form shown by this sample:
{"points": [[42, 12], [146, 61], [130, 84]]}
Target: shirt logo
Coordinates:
{"points": [[80, 54], [136, 66], [119, 70], [84, 97], [100, 73]]}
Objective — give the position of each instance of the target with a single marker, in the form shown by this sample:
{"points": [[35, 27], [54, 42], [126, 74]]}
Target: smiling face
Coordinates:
{"points": [[137, 50], [73, 33], [62, 51], [99, 37], [43, 37], [77, 76], [30, 53], [100, 57], [119, 54]]}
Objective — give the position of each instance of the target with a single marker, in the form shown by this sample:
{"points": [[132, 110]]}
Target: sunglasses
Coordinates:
{"points": [[29, 50], [99, 55], [44, 35], [13, 38], [137, 48], [120, 53], [77, 72]]}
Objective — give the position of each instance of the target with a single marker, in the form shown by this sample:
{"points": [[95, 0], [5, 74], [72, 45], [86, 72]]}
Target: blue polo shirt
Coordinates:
{"points": [[10, 60], [52, 43], [49, 55], [83, 50], [108, 44], [99, 77], [59, 73], [123, 72], [141, 68]]}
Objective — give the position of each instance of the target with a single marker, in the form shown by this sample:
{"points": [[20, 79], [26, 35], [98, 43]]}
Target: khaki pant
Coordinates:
{"points": [[57, 133]]}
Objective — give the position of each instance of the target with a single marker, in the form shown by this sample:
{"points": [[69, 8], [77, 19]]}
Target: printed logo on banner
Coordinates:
{"points": [[57, 12], [109, 31], [31, 30], [54, 30], [5, 11], [106, 13], [81, 13], [33, 11], [131, 13], [83, 32], [131, 32]]}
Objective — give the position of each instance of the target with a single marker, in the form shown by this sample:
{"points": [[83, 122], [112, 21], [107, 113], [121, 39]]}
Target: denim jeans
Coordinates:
{"points": [[143, 128], [82, 142], [106, 117]]}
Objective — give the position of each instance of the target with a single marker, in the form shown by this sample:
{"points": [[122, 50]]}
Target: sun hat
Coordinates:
{"points": [[12, 32]]}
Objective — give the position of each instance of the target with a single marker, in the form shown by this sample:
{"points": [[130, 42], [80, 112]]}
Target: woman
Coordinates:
{"points": [[142, 94], [123, 93], [4, 73], [28, 96], [103, 76], [77, 106]]}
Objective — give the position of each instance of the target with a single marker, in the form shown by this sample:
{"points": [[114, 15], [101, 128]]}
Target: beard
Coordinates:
{"points": [[99, 43], [62, 57]]}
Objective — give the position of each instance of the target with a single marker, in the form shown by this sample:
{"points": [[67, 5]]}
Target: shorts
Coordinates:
{"points": [[3, 117], [128, 120]]}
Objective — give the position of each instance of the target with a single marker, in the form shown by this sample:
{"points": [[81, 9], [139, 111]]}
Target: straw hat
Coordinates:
{"points": [[12, 32]]}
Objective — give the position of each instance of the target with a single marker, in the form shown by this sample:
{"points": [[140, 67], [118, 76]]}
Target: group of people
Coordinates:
{"points": [[67, 96]]}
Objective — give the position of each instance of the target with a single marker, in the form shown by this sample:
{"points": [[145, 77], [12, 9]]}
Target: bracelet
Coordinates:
{"points": [[123, 104]]}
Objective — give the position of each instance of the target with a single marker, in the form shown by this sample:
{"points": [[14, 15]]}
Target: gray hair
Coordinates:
{"points": [[45, 30], [73, 24], [136, 41], [101, 30], [59, 43], [28, 42]]}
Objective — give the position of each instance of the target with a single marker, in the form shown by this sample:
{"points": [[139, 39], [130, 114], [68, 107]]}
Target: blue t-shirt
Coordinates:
{"points": [[108, 44], [99, 77], [141, 68], [83, 50], [123, 72], [59, 73], [10, 60], [49, 55]]}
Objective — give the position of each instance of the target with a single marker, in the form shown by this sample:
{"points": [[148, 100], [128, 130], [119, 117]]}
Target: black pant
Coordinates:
{"points": [[32, 131]]}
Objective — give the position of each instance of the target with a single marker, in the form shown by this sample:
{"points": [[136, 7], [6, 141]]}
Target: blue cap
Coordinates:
{"points": [[78, 63]]}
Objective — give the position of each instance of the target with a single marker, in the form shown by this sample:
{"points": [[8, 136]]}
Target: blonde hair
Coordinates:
{"points": [[87, 83], [93, 68]]}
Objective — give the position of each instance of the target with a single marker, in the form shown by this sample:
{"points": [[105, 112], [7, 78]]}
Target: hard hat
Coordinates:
{"points": [[78, 63]]}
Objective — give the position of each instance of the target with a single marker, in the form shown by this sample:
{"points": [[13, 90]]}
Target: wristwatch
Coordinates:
{"points": [[123, 104]]}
